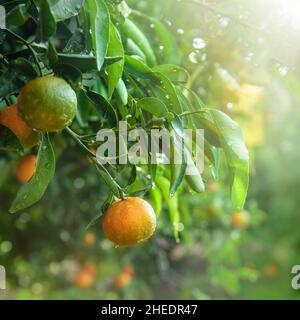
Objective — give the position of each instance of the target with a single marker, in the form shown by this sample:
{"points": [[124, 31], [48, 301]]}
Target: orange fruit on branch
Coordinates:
{"points": [[10, 118], [129, 221], [26, 168], [47, 104]]}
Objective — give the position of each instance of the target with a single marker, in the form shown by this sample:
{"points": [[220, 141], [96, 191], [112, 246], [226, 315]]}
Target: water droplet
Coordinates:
{"points": [[229, 105], [199, 43], [283, 70], [193, 57], [152, 25], [224, 21], [161, 47], [180, 31], [167, 96]]}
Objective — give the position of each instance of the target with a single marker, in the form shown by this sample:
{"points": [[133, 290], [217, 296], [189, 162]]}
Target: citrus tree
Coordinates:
{"points": [[71, 68]]}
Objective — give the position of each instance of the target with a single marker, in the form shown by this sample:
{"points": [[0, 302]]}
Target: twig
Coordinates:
{"points": [[76, 137], [36, 60]]}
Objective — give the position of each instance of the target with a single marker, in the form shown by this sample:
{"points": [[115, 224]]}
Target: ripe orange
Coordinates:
{"points": [[26, 168], [125, 277], [83, 279], [47, 104], [128, 270], [10, 118], [122, 280], [90, 268], [89, 239], [129, 221], [240, 219]]}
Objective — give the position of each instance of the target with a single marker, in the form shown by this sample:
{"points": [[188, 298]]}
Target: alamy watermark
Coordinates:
{"points": [[154, 146], [296, 279], [2, 17], [2, 278]]}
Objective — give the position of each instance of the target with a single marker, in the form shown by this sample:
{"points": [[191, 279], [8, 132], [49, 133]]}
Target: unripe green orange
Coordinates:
{"points": [[47, 104]]}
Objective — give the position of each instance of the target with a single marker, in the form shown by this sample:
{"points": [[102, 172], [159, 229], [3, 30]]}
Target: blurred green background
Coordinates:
{"points": [[244, 58]]}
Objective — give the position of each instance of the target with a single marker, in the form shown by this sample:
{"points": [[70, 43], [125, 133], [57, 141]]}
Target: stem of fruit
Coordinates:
{"points": [[92, 157], [36, 60], [76, 137]]}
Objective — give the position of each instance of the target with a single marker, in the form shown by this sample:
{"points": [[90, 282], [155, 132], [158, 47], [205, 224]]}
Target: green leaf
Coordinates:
{"points": [[65, 9], [84, 108], [52, 54], [177, 169], [231, 139], [34, 189], [100, 21], [122, 92], [171, 98], [104, 207], [104, 108], [156, 200], [82, 62], [136, 66], [173, 72], [170, 52], [172, 203], [195, 182], [18, 15], [154, 106], [115, 48], [47, 24], [70, 73], [132, 31], [24, 67]]}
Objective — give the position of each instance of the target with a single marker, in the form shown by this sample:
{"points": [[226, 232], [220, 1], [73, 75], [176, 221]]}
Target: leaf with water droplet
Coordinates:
{"points": [[65, 9], [34, 189]]}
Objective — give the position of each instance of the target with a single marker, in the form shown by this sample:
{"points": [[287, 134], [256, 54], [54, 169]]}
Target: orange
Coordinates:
{"points": [[90, 268], [83, 279], [26, 168], [47, 104], [89, 239], [240, 219], [122, 280], [125, 277], [10, 118], [270, 270], [128, 270], [129, 221]]}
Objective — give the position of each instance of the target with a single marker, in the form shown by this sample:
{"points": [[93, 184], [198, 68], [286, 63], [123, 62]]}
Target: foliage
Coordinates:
{"points": [[144, 62]]}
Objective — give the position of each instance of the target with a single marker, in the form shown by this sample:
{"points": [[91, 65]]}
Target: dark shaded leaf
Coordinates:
{"points": [[24, 67], [35, 188], [104, 108], [9, 141], [65, 9]]}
